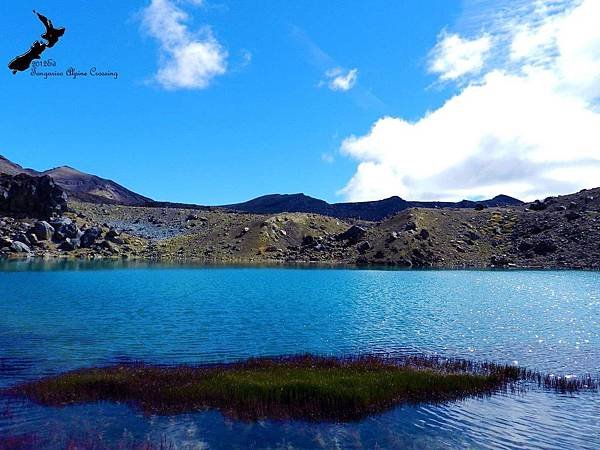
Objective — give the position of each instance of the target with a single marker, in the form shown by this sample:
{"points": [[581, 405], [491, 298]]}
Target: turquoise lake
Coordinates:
{"points": [[56, 317]]}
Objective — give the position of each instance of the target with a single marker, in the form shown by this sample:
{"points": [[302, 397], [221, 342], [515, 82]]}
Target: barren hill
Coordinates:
{"points": [[81, 185]]}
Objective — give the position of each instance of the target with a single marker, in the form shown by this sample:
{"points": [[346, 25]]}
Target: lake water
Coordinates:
{"points": [[57, 317]]}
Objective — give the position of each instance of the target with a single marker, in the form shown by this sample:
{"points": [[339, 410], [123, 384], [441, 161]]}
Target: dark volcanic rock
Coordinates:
{"points": [[70, 231], [538, 206], [68, 245], [525, 246], [499, 261], [43, 231], [410, 226], [545, 247], [352, 234], [32, 196], [90, 236], [424, 234], [364, 246], [114, 237], [19, 247], [309, 241]]}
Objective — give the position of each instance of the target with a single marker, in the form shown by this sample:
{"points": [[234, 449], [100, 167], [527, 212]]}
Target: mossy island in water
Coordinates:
{"points": [[304, 387]]}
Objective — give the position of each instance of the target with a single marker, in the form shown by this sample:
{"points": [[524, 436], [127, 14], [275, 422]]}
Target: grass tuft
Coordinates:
{"points": [[303, 387]]}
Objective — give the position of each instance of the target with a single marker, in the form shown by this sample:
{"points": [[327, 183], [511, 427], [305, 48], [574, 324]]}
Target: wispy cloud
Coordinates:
{"points": [[454, 57], [338, 79], [524, 121], [188, 59]]}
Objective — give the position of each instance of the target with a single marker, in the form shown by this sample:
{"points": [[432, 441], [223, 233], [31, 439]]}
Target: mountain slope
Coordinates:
{"points": [[373, 211], [94, 189], [10, 168], [277, 203], [80, 185]]}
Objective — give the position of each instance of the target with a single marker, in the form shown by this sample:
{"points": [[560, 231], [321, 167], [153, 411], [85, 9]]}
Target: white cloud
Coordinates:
{"points": [[339, 80], [454, 57], [529, 126], [188, 60]]}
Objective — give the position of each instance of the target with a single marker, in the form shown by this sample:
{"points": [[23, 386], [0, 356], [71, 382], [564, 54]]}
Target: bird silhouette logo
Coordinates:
{"points": [[51, 36]]}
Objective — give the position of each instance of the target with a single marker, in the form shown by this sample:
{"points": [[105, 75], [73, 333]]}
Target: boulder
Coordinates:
{"points": [[67, 245], [364, 246], [544, 247], [43, 231], [538, 206], [90, 236], [22, 237], [108, 246], [58, 221], [5, 242], [424, 234], [309, 241], [499, 261], [114, 237], [70, 231], [572, 215], [352, 234], [19, 247], [410, 226], [31, 196]]}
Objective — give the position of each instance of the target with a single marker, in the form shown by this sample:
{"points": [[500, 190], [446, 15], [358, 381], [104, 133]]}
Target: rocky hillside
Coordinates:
{"points": [[558, 232], [10, 168], [80, 185], [94, 189]]}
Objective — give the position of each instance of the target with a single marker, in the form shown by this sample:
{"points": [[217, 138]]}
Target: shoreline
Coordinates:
{"points": [[245, 263]]}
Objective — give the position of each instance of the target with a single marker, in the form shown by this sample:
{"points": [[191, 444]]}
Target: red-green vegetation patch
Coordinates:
{"points": [[299, 387]]}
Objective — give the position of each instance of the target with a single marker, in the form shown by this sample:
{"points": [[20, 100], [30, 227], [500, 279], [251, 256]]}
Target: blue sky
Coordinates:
{"points": [[268, 118], [260, 128]]}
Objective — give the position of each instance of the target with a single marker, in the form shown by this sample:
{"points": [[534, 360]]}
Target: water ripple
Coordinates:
{"points": [[51, 321]]}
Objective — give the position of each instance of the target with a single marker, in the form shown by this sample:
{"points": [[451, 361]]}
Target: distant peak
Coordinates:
{"points": [[64, 169]]}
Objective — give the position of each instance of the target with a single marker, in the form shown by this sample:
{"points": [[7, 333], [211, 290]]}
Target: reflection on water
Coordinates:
{"points": [[60, 316]]}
